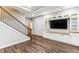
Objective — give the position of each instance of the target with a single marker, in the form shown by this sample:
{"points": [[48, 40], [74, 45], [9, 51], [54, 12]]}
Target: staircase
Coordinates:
{"points": [[13, 22], [12, 31]]}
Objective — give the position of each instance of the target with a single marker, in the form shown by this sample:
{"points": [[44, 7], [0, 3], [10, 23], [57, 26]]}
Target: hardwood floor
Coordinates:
{"points": [[40, 45]]}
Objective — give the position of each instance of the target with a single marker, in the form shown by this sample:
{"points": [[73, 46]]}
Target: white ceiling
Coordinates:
{"points": [[40, 10], [34, 11]]}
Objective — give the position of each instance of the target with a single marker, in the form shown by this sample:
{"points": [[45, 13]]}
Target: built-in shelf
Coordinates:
{"points": [[73, 21]]}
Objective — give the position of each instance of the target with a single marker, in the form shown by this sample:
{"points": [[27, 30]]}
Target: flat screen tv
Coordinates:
{"points": [[58, 24]]}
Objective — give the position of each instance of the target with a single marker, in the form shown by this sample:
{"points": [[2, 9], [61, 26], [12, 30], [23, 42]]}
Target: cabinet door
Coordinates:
{"points": [[66, 38], [74, 38], [58, 37], [54, 36], [51, 36]]}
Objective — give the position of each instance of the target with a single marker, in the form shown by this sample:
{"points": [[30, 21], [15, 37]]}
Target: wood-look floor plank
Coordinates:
{"points": [[40, 45]]}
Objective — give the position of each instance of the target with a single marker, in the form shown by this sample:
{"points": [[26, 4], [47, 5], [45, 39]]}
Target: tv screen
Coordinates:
{"points": [[58, 24]]}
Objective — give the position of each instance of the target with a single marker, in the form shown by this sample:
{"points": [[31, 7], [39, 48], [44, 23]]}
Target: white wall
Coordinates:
{"points": [[9, 36], [38, 26]]}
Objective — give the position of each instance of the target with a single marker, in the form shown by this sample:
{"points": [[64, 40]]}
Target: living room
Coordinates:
{"points": [[39, 29]]}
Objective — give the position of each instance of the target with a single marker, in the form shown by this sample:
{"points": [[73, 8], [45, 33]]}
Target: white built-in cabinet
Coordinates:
{"points": [[73, 36], [54, 36], [58, 37]]}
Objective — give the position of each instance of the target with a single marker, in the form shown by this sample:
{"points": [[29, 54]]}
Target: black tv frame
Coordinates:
{"points": [[61, 23]]}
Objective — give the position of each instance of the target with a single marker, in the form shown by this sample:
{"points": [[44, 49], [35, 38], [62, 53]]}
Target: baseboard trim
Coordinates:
{"points": [[37, 35]]}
